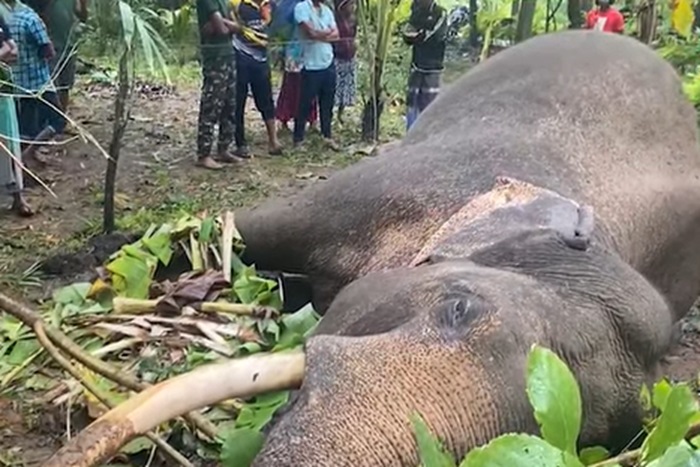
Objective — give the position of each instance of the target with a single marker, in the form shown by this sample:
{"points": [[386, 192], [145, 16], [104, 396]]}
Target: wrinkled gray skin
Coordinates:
{"points": [[596, 118]]}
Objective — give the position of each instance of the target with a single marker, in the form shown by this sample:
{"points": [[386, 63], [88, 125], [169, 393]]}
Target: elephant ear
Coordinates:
{"points": [[507, 212]]}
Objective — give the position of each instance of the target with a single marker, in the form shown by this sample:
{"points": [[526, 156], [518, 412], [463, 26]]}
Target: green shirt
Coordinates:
{"points": [[62, 23], [213, 46]]}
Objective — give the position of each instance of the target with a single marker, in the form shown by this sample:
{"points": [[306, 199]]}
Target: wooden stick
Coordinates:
{"points": [[29, 317], [135, 306], [97, 392]]}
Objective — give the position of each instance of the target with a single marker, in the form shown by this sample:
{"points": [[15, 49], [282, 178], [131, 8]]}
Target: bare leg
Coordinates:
{"points": [[275, 146]]}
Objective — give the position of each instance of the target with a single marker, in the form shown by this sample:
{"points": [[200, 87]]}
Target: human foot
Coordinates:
{"points": [[208, 162], [21, 207], [242, 152], [331, 144], [227, 158]]}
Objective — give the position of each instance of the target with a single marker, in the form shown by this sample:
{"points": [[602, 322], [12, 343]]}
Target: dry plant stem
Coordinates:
{"points": [[632, 457], [135, 306], [202, 387], [30, 317], [227, 244], [61, 360]]}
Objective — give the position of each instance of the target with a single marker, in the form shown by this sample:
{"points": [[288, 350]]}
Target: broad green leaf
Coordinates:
{"points": [[160, 246], [240, 447], [21, 351], [679, 409], [645, 398], [680, 455], [255, 415], [518, 450], [137, 445], [126, 15], [301, 321], [206, 230], [593, 455], [662, 388], [135, 276], [555, 397], [74, 294], [430, 450]]}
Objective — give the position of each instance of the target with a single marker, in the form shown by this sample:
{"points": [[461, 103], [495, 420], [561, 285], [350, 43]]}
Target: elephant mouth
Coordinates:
{"points": [[238, 378]]}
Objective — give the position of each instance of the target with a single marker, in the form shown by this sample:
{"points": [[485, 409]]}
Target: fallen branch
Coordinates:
{"points": [[135, 306], [29, 317], [61, 360]]}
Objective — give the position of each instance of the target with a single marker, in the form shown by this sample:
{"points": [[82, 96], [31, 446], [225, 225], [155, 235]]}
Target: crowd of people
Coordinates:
{"points": [[319, 69], [37, 71]]}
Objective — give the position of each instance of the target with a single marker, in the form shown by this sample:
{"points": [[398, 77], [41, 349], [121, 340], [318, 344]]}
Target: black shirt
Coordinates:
{"points": [[429, 45]]}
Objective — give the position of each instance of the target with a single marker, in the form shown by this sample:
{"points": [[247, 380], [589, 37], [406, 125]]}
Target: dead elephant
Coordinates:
{"points": [[550, 196]]}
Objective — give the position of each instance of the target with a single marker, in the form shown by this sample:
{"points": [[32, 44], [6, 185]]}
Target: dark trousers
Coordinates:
{"points": [[254, 75], [321, 84], [216, 104], [34, 115]]}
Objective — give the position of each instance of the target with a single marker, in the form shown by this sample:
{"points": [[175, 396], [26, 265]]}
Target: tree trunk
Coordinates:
{"points": [[372, 112], [473, 27], [525, 18], [514, 8], [121, 118], [573, 11], [646, 21]]}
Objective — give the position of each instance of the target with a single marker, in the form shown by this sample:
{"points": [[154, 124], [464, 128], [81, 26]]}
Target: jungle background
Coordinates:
{"points": [[121, 211]]}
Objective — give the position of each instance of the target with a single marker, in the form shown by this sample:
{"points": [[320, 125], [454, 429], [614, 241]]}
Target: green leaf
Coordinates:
{"points": [[133, 276], [126, 15], [518, 450], [680, 455], [137, 445], [301, 321], [255, 415], [678, 410], [21, 351], [160, 245], [240, 447], [74, 294], [662, 389], [593, 455], [430, 450], [555, 397]]}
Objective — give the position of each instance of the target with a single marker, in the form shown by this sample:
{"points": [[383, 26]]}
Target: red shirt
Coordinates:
{"points": [[609, 20]]}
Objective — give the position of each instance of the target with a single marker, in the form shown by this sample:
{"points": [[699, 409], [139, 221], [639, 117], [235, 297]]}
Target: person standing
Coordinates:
{"points": [[63, 20], [253, 71], [426, 33], [318, 79], [38, 117], [345, 50], [287, 106], [11, 180], [216, 105], [605, 18]]}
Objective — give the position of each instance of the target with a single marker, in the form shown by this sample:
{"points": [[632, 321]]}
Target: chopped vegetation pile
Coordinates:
{"points": [[141, 321]]}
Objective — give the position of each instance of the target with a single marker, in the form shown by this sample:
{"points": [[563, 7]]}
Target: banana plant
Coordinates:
{"points": [[377, 23], [138, 41]]}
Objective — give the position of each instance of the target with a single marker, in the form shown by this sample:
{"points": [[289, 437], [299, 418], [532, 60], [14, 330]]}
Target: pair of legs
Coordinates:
{"points": [[254, 74], [316, 84], [423, 88], [216, 108], [345, 87], [63, 72], [11, 176], [40, 119], [288, 100]]}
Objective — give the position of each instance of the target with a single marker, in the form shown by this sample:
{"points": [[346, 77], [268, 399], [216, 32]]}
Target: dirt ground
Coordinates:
{"points": [[156, 180]]}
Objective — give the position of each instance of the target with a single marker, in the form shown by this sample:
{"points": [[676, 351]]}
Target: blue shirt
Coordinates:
{"points": [[31, 72], [316, 55]]}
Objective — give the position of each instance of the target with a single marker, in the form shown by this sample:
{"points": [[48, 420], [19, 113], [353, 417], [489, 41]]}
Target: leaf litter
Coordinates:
{"points": [[156, 329]]}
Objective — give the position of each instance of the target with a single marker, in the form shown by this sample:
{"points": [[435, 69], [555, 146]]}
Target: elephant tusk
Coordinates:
{"points": [[237, 378]]}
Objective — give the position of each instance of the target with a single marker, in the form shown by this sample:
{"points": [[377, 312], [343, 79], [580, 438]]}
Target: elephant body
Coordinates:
{"points": [[440, 262]]}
